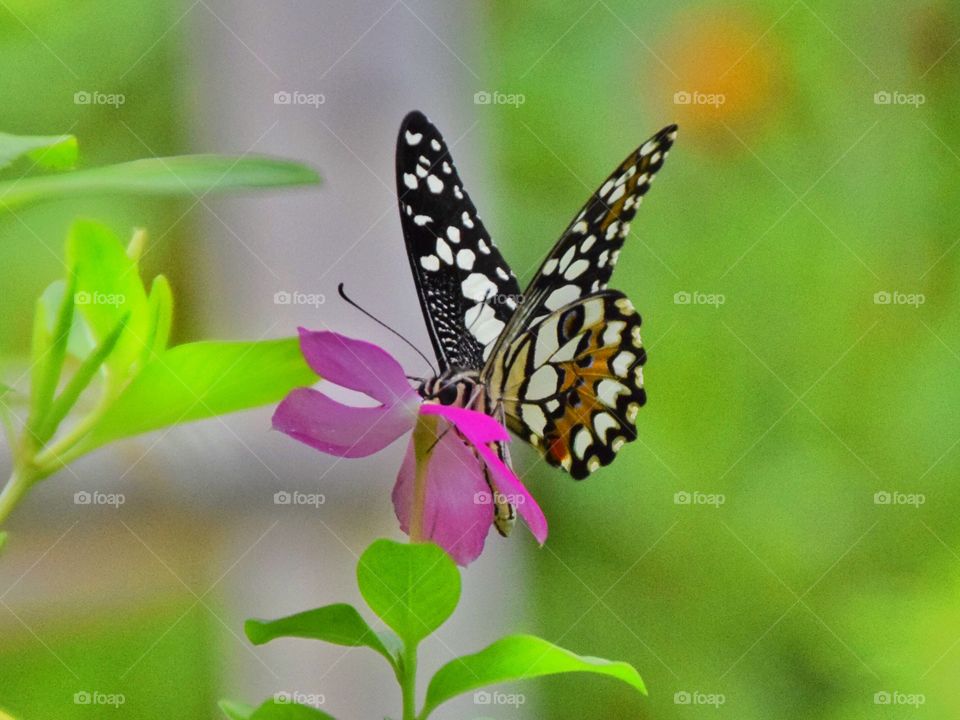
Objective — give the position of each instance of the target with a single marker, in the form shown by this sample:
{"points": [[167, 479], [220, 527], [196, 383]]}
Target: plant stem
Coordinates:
{"points": [[13, 492], [408, 682]]}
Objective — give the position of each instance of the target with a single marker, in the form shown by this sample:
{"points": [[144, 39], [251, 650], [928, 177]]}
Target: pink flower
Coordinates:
{"points": [[441, 493]]}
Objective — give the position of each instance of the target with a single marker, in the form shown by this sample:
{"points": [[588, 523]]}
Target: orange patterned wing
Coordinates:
{"points": [[573, 384]]}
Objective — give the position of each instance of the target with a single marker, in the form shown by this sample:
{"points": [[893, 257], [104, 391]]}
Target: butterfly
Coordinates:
{"points": [[561, 363]]}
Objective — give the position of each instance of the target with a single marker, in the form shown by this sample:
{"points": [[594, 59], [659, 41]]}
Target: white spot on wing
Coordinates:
{"points": [[478, 287], [413, 138], [562, 296], [444, 251], [435, 184], [430, 262], [410, 180], [465, 259]]}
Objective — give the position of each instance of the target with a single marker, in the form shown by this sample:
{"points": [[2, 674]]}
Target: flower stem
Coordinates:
{"points": [[408, 683], [424, 441]]}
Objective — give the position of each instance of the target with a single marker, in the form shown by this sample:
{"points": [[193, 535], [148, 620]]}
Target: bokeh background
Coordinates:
{"points": [[782, 540]]}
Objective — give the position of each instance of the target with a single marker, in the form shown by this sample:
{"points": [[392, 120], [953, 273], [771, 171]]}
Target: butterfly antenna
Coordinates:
{"points": [[380, 322]]}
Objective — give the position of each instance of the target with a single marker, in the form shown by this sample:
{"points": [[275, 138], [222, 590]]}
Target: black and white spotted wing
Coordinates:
{"points": [[583, 258], [568, 369], [467, 291]]}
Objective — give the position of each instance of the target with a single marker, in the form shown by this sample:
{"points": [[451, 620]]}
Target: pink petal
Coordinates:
{"points": [[481, 429], [458, 510], [355, 364], [313, 418]]}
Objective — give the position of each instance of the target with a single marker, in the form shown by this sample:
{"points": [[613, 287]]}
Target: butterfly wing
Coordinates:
{"points": [[467, 291], [568, 369], [583, 258], [572, 384]]}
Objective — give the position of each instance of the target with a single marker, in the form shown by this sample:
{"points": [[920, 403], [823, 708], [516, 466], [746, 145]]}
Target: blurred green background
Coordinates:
{"points": [[796, 267], [796, 399]]}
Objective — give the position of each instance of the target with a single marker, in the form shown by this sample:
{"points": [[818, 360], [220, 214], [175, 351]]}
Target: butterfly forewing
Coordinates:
{"points": [[467, 291], [572, 384], [583, 258]]}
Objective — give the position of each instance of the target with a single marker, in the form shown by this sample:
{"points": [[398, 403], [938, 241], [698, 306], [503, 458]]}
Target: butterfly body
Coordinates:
{"points": [[560, 364]]}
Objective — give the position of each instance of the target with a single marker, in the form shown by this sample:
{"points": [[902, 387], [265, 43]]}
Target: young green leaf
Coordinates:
{"points": [[48, 365], [272, 709], [517, 657], [80, 342], [108, 287], [414, 588], [201, 380], [339, 624], [236, 710], [190, 175], [77, 384], [55, 152], [159, 318]]}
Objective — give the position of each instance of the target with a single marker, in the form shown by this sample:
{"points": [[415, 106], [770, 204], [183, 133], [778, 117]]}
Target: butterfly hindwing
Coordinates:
{"points": [[572, 384], [467, 291]]}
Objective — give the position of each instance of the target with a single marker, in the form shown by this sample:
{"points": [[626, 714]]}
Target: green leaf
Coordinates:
{"points": [[339, 624], [56, 152], [236, 710], [517, 657], [80, 342], [78, 383], [191, 175], [3, 540], [49, 352], [159, 318], [414, 588], [272, 709], [108, 288], [200, 380]]}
